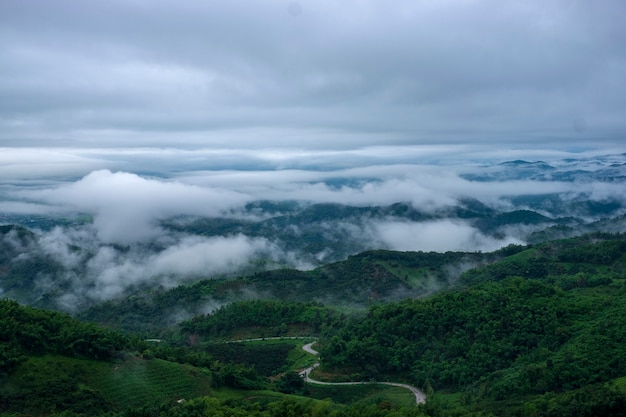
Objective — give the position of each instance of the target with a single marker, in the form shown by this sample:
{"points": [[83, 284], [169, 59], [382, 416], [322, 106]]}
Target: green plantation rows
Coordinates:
{"points": [[137, 382], [93, 386]]}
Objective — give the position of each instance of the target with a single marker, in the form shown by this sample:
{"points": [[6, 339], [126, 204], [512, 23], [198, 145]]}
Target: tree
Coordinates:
{"points": [[291, 383]]}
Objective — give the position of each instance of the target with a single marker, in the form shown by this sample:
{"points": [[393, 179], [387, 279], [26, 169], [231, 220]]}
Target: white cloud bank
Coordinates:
{"points": [[95, 271], [437, 236], [191, 257], [126, 205]]}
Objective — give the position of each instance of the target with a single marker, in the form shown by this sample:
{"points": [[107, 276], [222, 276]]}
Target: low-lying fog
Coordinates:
{"points": [[126, 245]]}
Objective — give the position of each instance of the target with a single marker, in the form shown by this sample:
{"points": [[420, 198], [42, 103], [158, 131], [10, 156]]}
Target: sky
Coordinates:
{"points": [[230, 101], [310, 76]]}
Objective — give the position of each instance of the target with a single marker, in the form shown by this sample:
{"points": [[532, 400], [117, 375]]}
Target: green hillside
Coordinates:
{"points": [[137, 382], [372, 277], [361, 280], [585, 261], [543, 326], [28, 331], [532, 330]]}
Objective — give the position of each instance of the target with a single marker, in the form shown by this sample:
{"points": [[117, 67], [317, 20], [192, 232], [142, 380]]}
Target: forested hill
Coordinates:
{"points": [[64, 263], [532, 330], [356, 283], [30, 383], [374, 277], [540, 332], [26, 331]]}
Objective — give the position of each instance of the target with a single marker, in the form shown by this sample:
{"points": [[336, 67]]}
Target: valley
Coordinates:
{"points": [[219, 314], [236, 208], [534, 326]]}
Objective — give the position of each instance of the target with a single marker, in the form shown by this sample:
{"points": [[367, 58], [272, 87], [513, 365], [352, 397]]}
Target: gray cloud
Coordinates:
{"points": [[338, 75]]}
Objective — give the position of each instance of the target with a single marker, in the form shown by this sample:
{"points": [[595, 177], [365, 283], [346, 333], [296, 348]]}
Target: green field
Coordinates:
{"points": [[366, 393]]}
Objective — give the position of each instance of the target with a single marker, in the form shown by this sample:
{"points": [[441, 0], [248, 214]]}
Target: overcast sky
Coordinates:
{"points": [[138, 110], [312, 75]]}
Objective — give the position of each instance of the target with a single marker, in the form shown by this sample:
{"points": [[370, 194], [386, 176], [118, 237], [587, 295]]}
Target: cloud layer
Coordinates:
{"points": [[119, 229], [438, 236], [125, 205], [336, 75], [99, 271], [128, 207]]}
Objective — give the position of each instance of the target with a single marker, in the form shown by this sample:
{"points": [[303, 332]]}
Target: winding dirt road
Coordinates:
{"points": [[420, 397]]}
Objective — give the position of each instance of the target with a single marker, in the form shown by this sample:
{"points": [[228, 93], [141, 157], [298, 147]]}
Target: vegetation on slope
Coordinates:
{"points": [[359, 281], [27, 331], [536, 332], [509, 340], [589, 260], [264, 318]]}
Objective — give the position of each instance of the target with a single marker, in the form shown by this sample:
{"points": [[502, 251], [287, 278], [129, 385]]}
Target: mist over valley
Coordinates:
{"points": [[110, 234]]}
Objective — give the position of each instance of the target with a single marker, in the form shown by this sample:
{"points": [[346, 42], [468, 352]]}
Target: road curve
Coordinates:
{"points": [[420, 397]]}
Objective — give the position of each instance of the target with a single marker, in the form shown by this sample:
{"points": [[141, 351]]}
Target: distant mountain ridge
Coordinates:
{"points": [[608, 168]]}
